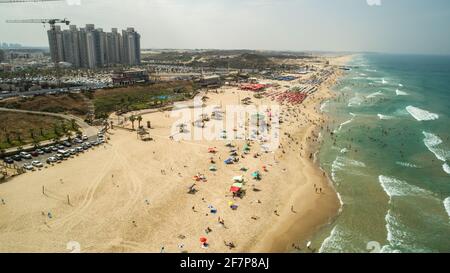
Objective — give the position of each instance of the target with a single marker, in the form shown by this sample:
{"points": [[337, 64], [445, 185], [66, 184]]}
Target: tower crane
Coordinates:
{"points": [[26, 1], [52, 22]]}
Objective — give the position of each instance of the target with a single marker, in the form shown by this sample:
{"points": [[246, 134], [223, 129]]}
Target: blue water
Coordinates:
{"points": [[388, 153]]}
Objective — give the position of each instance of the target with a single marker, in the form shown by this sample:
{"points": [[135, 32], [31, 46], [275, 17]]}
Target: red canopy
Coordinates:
{"points": [[235, 189], [203, 240]]}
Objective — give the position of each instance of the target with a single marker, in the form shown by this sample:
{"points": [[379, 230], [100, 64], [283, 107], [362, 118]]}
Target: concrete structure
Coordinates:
{"points": [[92, 48], [130, 77]]}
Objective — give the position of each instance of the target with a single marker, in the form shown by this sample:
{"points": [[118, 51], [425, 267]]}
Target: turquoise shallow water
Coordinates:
{"points": [[389, 155]]}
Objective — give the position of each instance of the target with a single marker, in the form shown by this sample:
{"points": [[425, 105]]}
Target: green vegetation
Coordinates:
{"points": [[19, 129], [71, 103], [140, 97]]}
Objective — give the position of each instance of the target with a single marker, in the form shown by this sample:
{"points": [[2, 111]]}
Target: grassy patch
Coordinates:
{"points": [[140, 97], [18, 129], [68, 103]]}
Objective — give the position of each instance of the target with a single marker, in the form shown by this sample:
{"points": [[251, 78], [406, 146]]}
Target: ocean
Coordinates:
{"points": [[387, 150]]}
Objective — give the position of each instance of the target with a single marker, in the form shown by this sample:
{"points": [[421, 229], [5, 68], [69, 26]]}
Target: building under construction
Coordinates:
{"points": [[91, 47]]}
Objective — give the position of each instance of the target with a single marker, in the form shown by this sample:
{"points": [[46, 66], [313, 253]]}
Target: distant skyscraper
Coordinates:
{"points": [[55, 39], [92, 48]]}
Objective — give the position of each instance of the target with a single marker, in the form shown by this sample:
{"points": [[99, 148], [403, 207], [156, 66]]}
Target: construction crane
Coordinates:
{"points": [[52, 22], [26, 1]]}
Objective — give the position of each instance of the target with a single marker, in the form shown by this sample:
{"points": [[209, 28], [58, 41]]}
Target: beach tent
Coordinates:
{"points": [[256, 175], [236, 187], [238, 178], [229, 161], [213, 168]]}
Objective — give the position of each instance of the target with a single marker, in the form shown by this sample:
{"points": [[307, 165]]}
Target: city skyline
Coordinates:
{"points": [[91, 47], [298, 25]]}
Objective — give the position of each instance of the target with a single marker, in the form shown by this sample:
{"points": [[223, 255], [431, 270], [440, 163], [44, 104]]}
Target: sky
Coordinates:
{"points": [[393, 26]]}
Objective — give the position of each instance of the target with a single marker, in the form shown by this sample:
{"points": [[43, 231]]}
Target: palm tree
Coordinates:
{"points": [[31, 130], [8, 138], [19, 137], [132, 119], [74, 124], [139, 119]]}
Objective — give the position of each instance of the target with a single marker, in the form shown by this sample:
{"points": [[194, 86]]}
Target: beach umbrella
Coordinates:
{"points": [[235, 189], [238, 185], [238, 178]]}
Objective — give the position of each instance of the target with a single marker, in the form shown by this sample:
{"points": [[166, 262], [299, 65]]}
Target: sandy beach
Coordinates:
{"points": [[132, 196]]}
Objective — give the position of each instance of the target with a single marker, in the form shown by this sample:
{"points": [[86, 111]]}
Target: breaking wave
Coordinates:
{"points": [[420, 114], [432, 142]]}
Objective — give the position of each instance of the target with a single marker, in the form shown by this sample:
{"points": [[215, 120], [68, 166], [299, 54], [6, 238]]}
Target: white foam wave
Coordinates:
{"points": [[401, 85], [406, 164], [446, 168], [447, 205], [383, 81], [355, 101], [323, 106], [338, 242], [420, 114], [384, 117], [401, 93], [345, 123], [400, 237], [395, 188], [373, 95], [432, 142]]}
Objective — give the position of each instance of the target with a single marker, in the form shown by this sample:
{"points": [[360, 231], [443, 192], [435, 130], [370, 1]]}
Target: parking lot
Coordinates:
{"points": [[53, 154]]}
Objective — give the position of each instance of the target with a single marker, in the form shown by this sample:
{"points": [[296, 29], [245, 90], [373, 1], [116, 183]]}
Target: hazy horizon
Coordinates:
{"points": [[401, 26]]}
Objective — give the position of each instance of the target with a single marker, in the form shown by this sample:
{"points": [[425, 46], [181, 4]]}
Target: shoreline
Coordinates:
{"points": [[296, 231], [146, 182]]}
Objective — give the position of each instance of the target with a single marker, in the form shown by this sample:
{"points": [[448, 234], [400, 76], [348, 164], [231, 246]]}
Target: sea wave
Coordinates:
{"points": [[323, 106], [432, 142], [446, 168], [339, 241], [420, 114], [406, 164], [400, 237], [355, 101], [384, 117], [373, 95], [447, 205], [401, 93], [345, 123], [395, 188]]}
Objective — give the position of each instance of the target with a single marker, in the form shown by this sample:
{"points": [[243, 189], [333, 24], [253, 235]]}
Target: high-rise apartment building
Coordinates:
{"points": [[92, 48]]}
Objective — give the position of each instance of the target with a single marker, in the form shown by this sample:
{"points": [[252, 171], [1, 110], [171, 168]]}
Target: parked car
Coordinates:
{"points": [[8, 160], [51, 160], [73, 151], [67, 144], [60, 147], [28, 167], [77, 141], [79, 149], [37, 164], [54, 148], [40, 152], [17, 158], [84, 137], [25, 155], [47, 150], [34, 153]]}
